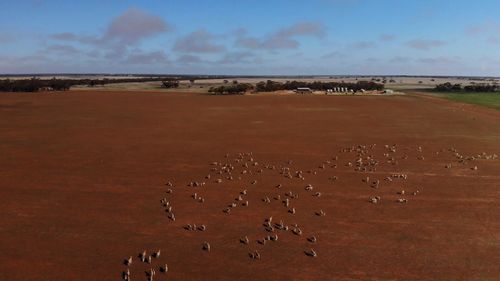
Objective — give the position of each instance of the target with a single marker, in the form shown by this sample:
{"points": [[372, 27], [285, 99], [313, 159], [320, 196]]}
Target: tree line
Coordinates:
{"points": [[449, 87], [271, 86], [56, 84], [234, 89]]}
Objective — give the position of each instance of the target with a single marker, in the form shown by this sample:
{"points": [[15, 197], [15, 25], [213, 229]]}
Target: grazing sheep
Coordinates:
{"points": [[227, 210], [239, 198], [297, 231], [321, 213], [254, 182], [157, 254], [255, 255], [244, 192], [169, 190], [202, 227], [311, 253], [148, 260], [143, 256], [309, 187], [281, 224], [245, 204], [128, 261], [292, 211], [151, 273], [262, 241], [286, 202], [312, 239], [169, 184], [266, 223], [317, 194], [171, 216], [126, 275], [273, 237], [375, 200], [164, 268], [206, 246], [244, 240], [402, 192], [269, 228], [402, 200]]}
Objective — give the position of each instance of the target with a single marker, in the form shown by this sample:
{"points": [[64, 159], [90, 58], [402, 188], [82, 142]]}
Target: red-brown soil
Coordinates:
{"points": [[82, 175]]}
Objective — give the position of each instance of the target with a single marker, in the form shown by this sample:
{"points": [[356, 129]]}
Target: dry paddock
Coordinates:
{"points": [[82, 175]]}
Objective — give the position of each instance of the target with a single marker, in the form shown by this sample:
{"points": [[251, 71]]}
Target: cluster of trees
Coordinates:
{"points": [[234, 89], [270, 86], [55, 84], [482, 88], [169, 84], [448, 87], [33, 85]]}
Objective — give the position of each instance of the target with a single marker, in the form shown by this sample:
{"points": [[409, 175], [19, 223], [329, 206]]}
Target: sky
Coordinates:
{"points": [[251, 37]]}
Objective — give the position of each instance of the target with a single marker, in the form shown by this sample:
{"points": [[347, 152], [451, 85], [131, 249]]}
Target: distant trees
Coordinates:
{"points": [[482, 88], [55, 84], [170, 84], [271, 86], [22, 85], [448, 87], [234, 89]]}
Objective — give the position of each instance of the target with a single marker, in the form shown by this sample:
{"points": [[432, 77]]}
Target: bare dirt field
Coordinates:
{"points": [[83, 186]]}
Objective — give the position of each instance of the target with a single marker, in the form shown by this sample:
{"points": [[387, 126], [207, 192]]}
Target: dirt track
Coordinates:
{"points": [[82, 175]]}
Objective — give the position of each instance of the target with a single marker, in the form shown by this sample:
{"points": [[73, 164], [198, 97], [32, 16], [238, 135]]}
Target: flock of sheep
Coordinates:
{"points": [[243, 170]]}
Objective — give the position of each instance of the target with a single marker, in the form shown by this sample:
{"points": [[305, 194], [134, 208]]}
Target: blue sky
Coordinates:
{"points": [[336, 37]]}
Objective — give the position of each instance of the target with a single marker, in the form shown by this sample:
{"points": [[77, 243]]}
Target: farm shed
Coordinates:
{"points": [[303, 90]]}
